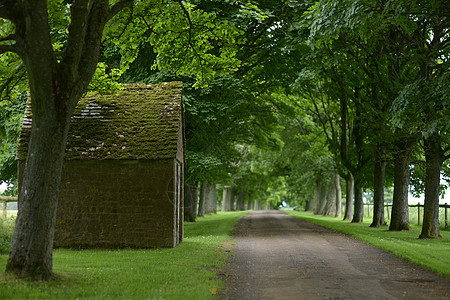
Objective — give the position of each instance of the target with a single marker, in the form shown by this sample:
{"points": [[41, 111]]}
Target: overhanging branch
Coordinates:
{"points": [[116, 8]]}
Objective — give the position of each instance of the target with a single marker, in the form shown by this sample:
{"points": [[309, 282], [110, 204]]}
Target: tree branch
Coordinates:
{"points": [[116, 8], [8, 85], [77, 31], [320, 118], [191, 25], [95, 23]]}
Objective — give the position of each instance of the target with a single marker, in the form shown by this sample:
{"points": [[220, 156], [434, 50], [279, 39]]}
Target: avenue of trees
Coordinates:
{"points": [[296, 102]]}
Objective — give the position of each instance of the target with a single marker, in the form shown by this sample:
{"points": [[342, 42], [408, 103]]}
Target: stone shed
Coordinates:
{"points": [[122, 181]]}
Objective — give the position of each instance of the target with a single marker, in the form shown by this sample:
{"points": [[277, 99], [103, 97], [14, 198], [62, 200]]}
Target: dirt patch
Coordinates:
{"points": [[281, 257]]}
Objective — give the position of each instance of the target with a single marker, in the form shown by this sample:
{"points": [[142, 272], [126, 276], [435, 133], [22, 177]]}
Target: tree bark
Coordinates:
{"points": [[337, 182], [378, 190], [249, 202], [241, 201], [55, 88], [259, 205], [434, 158], [322, 199], [202, 199], [400, 209], [32, 244], [358, 213], [349, 197], [226, 199], [210, 199], [330, 206], [311, 205], [190, 203]]}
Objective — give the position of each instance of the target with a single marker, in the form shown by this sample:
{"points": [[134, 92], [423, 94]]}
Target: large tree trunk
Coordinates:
{"points": [[55, 88], [241, 201], [349, 197], [434, 157], [249, 202], [258, 205], [190, 202], [337, 182], [202, 199], [330, 205], [232, 199], [358, 213], [378, 190], [211, 199], [226, 199], [32, 244], [311, 205], [400, 209], [322, 199]]}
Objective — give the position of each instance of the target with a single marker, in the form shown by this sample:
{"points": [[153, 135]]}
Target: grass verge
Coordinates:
{"points": [[186, 272], [431, 254]]}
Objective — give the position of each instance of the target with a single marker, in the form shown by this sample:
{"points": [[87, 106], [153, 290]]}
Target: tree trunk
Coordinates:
{"points": [[337, 182], [210, 198], [226, 199], [330, 205], [322, 200], [202, 199], [378, 190], [400, 209], [32, 244], [55, 88], [312, 204], [190, 203], [241, 201], [233, 199], [259, 205], [249, 202], [434, 157], [358, 213], [349, 198]]}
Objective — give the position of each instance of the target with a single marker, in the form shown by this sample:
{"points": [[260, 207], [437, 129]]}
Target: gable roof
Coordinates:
{"points": [[139, 122]]}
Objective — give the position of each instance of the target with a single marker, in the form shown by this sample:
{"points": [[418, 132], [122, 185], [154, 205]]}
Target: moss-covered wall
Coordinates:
{"points": [[117, 204]]}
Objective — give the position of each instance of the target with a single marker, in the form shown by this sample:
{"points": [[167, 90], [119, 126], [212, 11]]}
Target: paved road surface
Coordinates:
{"points": [[280, 257]]}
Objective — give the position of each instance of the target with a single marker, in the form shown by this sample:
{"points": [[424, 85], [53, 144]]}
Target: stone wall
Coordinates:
{"points": [[117, 204]]}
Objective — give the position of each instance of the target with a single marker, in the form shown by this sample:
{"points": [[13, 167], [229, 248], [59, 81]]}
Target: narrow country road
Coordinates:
{"points": [[281, 257]]}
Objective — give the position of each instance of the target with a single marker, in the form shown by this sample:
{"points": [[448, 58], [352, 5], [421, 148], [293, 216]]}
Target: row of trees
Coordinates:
{"points": [[378, 85]]}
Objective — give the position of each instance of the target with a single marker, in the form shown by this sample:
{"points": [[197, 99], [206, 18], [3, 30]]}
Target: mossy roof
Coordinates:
{"points": [[139, 122]]}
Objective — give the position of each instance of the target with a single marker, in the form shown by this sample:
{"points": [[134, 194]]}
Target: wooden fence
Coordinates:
{"points": [[5, 200], [388, 208]]}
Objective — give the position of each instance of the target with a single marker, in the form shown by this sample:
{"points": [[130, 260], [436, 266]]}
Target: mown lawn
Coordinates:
{"points": [[431, 254], [186, 272]]}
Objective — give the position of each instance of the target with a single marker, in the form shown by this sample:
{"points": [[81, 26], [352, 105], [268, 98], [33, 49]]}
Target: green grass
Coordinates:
{"points": [[6, 232], [431, 254], [186, 272]]}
